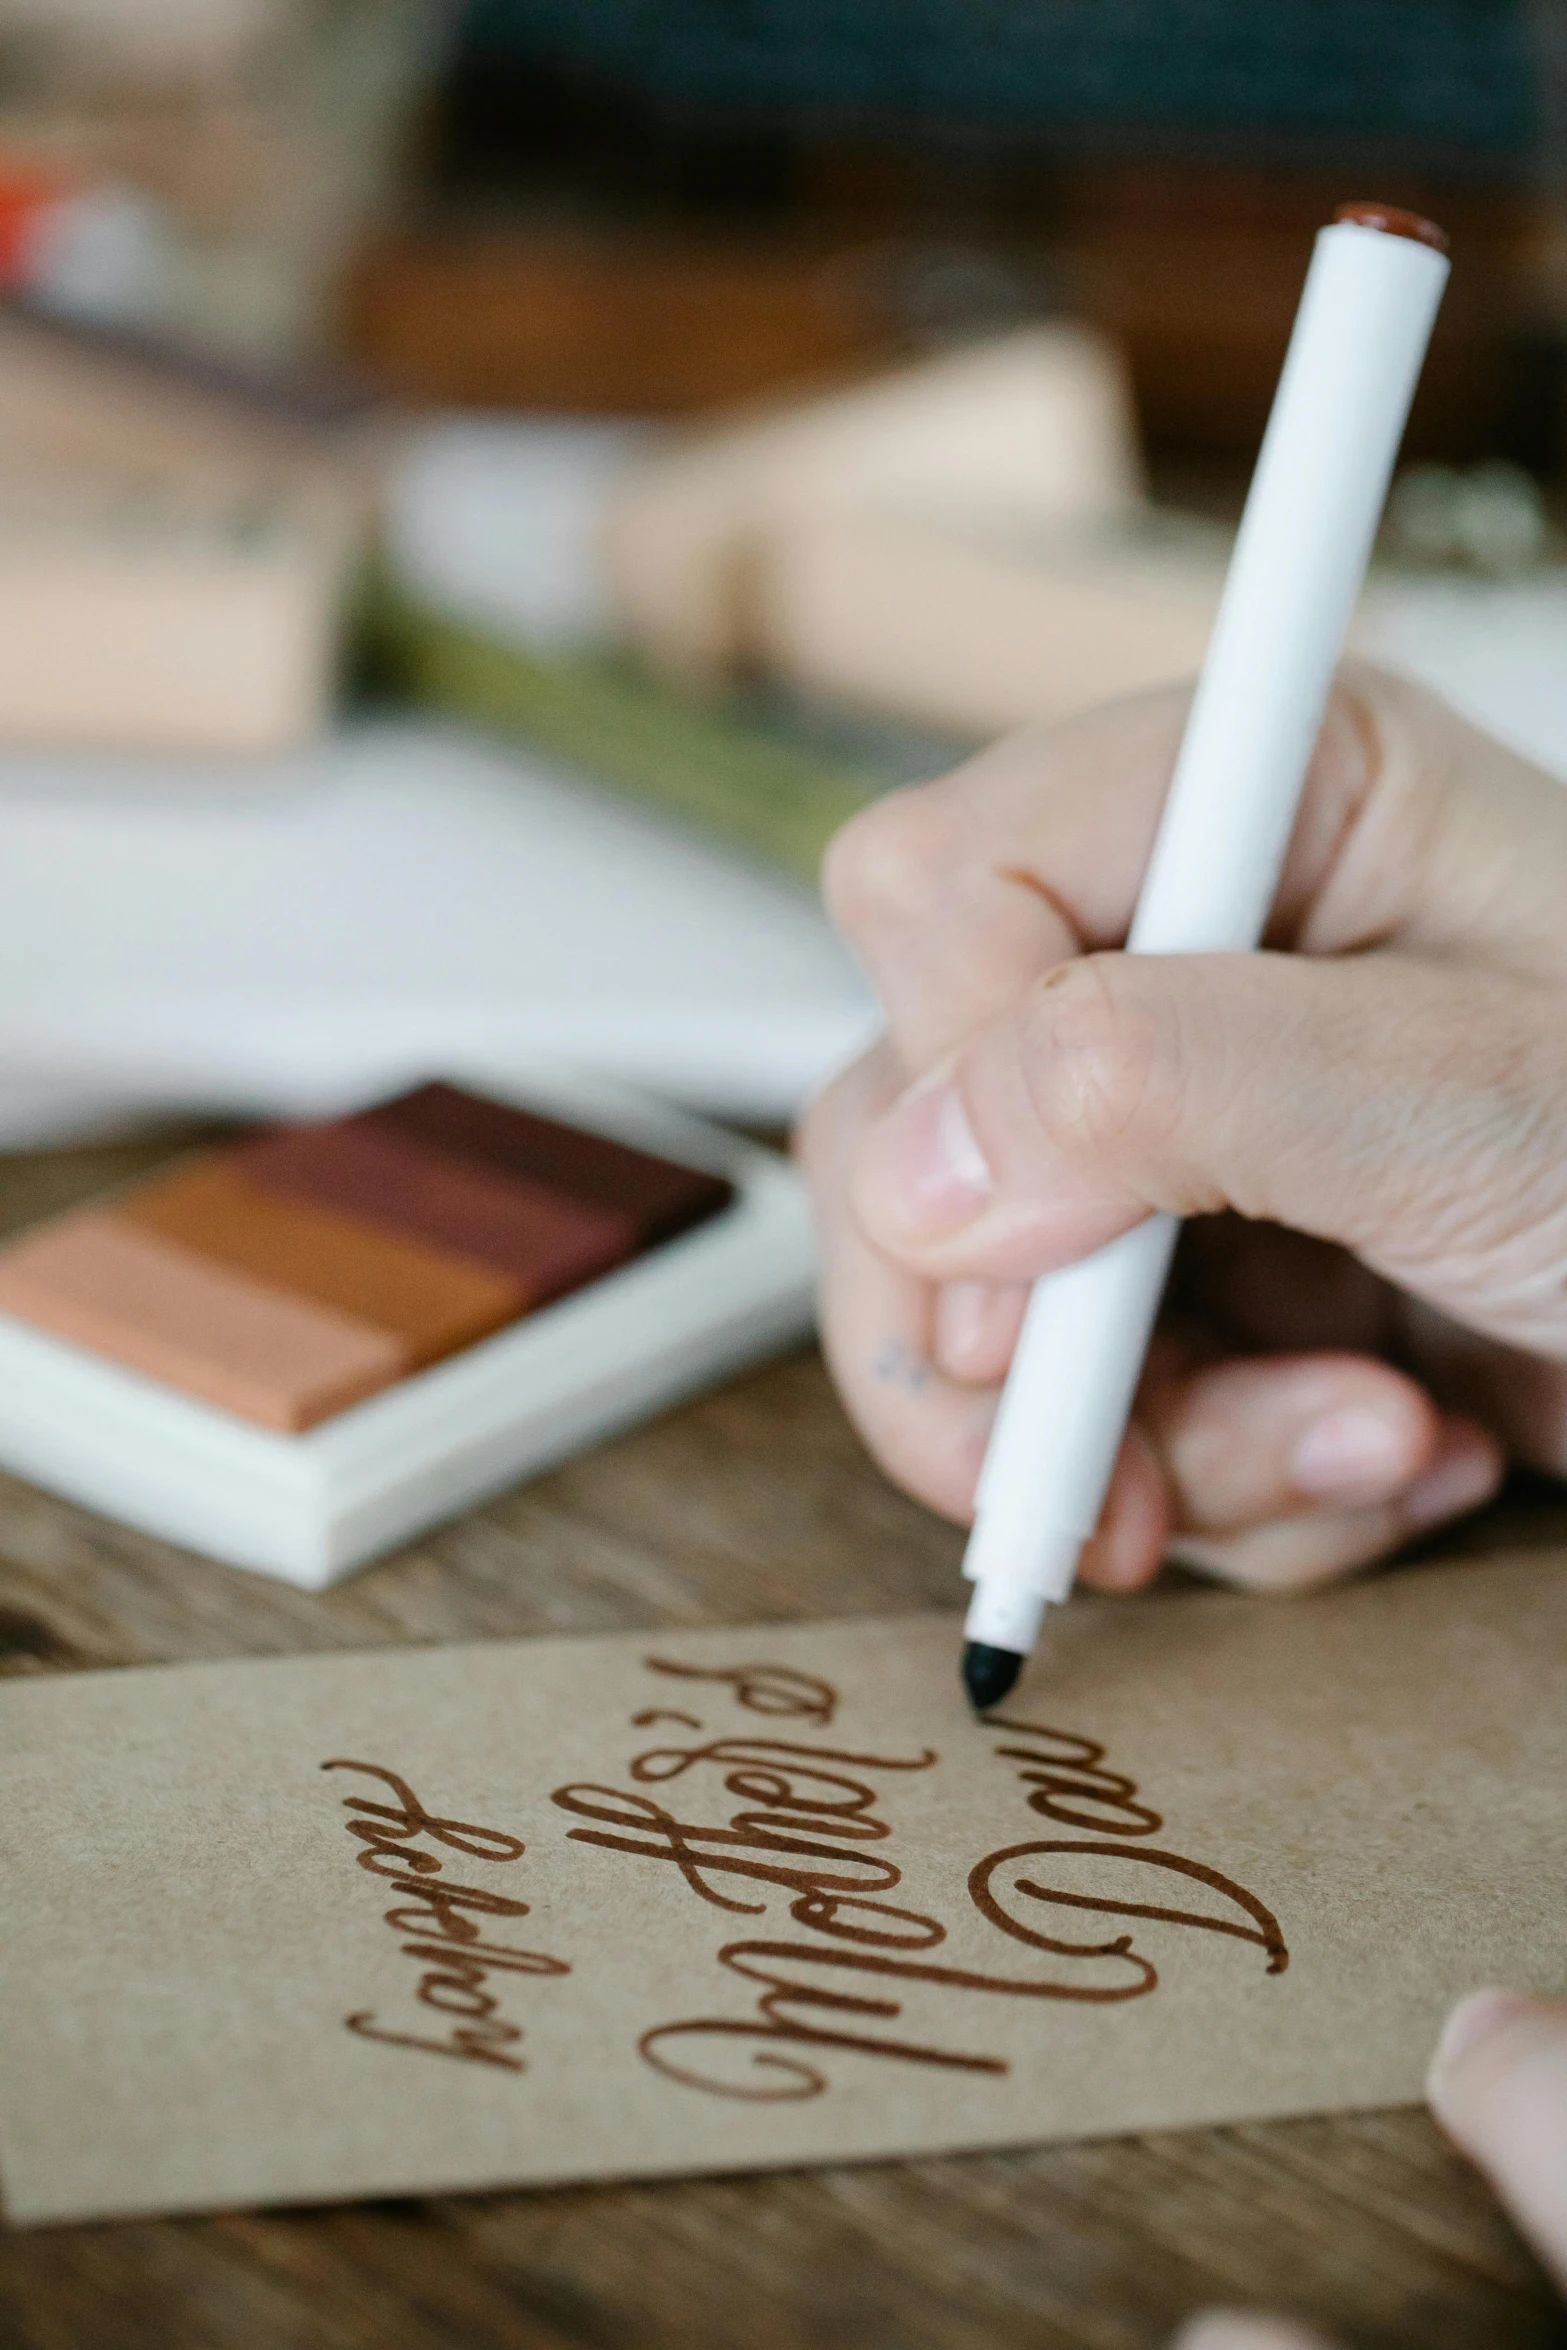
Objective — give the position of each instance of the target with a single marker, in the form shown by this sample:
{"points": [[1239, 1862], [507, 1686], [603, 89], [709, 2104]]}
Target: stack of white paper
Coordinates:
{"points": [[400, 895]]}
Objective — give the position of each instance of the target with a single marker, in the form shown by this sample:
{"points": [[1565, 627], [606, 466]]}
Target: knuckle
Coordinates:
{"points": [[888, 866], [1102, 1060]]}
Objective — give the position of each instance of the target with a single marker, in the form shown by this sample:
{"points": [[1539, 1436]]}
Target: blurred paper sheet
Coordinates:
{"points": [[175, 938], [1496, 650]]}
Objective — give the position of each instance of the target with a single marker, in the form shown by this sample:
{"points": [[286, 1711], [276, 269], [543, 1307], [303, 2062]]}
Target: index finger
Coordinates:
{"points": [[1413, 828]]}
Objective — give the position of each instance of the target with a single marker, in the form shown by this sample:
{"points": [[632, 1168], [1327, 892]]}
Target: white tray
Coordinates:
{"points": [[310, 1508]]}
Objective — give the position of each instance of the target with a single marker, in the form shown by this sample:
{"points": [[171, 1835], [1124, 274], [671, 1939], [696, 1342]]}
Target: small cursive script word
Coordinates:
{"points": [[441, 1920], [761, 1689]]}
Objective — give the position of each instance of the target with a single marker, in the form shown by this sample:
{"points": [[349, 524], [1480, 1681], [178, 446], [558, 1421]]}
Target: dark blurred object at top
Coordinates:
{"points": [[658, 205], [1436, 82]]}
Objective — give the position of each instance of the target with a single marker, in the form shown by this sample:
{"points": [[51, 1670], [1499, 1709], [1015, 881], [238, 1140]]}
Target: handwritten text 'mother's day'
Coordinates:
{"points": [[801, 1830], [800, 1827]]}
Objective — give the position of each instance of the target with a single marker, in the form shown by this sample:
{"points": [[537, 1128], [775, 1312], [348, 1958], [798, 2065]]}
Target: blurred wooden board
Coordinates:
{"points": [[1195, 272], [754, 1504], [642, 322]]}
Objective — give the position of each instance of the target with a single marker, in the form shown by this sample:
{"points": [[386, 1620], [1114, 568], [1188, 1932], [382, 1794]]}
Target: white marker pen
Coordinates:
{"points": [[1365, 318]]}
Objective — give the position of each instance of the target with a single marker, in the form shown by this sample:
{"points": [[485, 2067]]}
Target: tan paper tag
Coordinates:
{"points": [[551, 1910]]}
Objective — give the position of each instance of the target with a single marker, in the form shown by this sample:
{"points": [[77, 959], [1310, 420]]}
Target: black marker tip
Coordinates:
{"points": [[989, 1674]]}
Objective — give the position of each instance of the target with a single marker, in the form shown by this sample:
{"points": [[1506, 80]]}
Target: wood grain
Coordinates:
{"points": [[754, 1504]]}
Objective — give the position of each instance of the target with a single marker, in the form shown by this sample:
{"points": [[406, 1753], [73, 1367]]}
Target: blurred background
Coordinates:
{"points": [[487, 485]]}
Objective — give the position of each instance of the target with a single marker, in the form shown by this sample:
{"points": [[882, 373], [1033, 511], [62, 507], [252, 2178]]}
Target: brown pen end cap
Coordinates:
{"points": [[1394, 222]]}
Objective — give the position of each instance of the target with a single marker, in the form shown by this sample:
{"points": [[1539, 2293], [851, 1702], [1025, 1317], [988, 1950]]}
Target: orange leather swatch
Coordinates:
{"points": [[427, 1300], [94, 1279]]}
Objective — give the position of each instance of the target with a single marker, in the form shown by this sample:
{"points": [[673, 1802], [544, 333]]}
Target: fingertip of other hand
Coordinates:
{"points": [[1474, 2020], [1485, 2037], [1498, 2086]]}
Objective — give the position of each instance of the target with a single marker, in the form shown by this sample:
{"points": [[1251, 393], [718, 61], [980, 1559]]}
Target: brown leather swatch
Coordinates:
{"points": [[664, 1198], [548, 1243]]}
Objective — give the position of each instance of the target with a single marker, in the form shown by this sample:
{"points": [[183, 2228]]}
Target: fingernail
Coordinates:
{"points": [[1474, 2019], [924, 1168], [1351, 1454], [1452, 1487]]}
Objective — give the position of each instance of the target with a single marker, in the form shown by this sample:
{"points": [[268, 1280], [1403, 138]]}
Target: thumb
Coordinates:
{"points": [[1415, 1113], [1499, 2086]]}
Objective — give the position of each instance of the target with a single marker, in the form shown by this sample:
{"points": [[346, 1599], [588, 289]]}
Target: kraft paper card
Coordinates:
{"points": [[553, 1910]]}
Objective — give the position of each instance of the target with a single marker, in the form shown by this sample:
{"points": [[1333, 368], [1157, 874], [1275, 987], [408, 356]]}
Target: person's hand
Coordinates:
{"points": [[1498, 2086], [1369, 1317]]}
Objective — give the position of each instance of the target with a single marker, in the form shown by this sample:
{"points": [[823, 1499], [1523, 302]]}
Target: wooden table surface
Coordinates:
{"points": [[753, 1505]]}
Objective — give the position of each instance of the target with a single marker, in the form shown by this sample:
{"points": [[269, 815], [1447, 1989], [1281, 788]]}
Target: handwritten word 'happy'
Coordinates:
{"points": [[441, 1921]]}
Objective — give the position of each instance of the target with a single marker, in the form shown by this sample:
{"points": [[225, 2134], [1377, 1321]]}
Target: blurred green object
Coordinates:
{"points": [[777, 799]]}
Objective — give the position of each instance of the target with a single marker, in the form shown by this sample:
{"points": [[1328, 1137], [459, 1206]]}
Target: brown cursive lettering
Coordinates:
{"points": [[1264, 1931], [763, 1689], [1070, 1783], [477, 2045], [445, 1938], [793, 1825], [799, 1811], [783, 1991]]}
